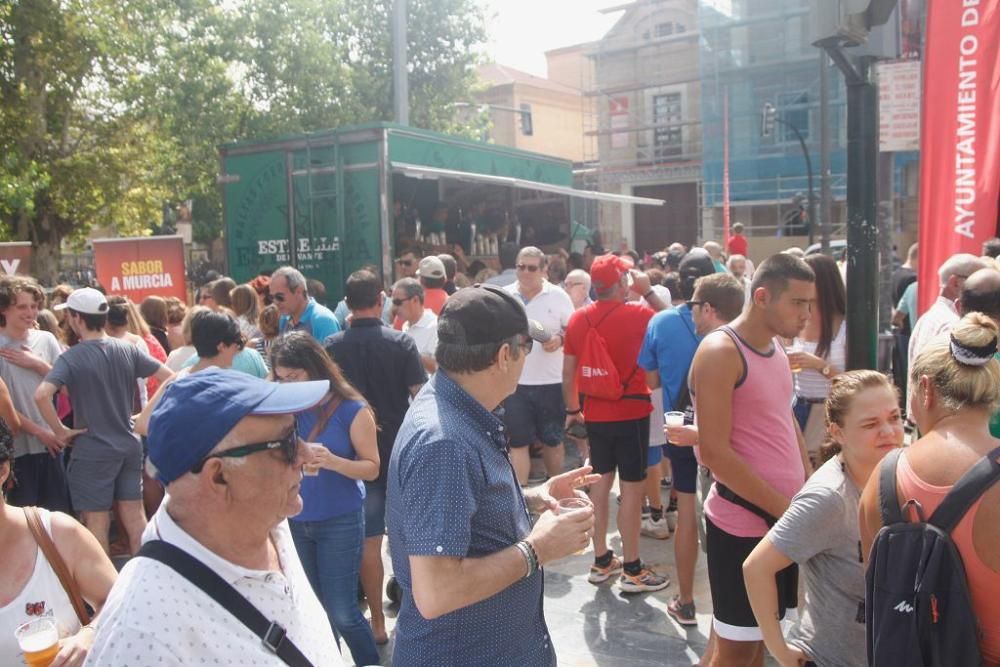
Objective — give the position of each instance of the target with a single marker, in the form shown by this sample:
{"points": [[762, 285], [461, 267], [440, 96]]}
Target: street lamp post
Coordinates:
{"points": [[769, 117]]}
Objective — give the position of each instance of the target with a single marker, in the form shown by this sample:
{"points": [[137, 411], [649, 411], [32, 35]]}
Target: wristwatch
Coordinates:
{"points": [[826, 371]]}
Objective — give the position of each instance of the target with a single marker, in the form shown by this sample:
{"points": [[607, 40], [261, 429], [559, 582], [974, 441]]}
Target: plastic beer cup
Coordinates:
{"points": [[39, 640], [673, 418], [574, 504]]}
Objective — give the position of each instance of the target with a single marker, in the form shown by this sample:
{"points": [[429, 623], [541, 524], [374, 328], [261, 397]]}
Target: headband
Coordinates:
{"points": [[973, 356]]}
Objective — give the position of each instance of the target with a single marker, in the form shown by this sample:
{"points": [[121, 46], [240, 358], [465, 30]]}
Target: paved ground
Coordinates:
{"points": [[598, 626]]}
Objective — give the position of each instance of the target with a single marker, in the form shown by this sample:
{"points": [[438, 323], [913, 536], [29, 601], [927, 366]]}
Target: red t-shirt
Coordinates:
{"points": [[738, 245], [623, 330]]}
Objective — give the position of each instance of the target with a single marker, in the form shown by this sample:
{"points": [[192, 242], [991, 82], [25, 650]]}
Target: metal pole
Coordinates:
{"points": [[400, 83], [811, 206], [826, 196], [862, 214]]}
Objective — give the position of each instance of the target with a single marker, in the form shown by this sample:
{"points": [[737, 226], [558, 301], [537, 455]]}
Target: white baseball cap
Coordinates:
{"points": [[85, 300], [431, 267]]}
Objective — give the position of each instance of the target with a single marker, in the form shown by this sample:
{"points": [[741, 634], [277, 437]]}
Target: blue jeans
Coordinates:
{"points": [[330, 552]]}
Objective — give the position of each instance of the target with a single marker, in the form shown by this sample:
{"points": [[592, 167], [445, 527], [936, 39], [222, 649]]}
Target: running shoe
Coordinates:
{"points": [[684, 614], [645, 581], [655, 528], [600, 574]]}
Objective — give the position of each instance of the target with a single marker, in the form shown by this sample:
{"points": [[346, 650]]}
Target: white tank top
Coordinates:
{"points": [[43, 595]]}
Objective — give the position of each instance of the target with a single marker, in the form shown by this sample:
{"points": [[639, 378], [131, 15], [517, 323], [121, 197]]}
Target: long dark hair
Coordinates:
{"points": [[300, 350], [831, 299]]}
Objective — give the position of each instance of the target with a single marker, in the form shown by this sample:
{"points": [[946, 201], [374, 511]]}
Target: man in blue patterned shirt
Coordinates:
{"points": [[463, 547]]}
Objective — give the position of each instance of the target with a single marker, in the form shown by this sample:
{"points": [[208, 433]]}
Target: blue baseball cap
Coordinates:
{"points": [[196, 412]]}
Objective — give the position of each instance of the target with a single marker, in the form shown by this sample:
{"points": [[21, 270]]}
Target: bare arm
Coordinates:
{"points": [[570, 394], [714, 373], [758, 572], [363, 439], [10, 416], [803, 451], [92, 571], [43, 399], [142, 419], [163, 373], [653, 379]]}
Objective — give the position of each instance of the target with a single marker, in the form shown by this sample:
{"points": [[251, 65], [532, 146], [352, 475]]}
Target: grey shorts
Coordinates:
{"points": [[94, 486]]}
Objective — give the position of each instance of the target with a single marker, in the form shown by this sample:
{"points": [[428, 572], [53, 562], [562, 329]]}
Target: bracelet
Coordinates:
{"points": [[530, 558], [574, 412], [646, 295]]}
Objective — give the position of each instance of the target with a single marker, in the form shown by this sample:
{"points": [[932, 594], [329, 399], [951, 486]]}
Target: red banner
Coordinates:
{"points": [[960, 134], [141, 267], [15, 258]]}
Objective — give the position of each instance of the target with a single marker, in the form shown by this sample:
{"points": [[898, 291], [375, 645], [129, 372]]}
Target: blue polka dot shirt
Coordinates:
{"points": [[452, 492]]}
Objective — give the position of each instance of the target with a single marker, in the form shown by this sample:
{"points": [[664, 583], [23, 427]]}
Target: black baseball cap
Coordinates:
{"points": [[481, 314]]}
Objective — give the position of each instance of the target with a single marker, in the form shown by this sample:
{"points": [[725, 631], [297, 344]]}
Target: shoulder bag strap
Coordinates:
{"points": [[324, 417], [974, 483], [57, 563], [272, 635], [887, 500]]}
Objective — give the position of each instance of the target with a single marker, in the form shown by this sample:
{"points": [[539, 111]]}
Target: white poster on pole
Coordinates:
{"points": [[899, 106]]}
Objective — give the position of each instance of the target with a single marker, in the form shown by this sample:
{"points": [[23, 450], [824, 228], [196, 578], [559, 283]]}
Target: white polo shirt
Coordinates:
{"points": [[424, 333], [154, 616], [551, 308]]}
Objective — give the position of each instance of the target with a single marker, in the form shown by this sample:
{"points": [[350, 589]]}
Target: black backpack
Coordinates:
{"points": [[918, 611]]}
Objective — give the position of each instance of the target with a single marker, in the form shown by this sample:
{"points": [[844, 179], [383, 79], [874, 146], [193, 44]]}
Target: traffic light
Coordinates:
{"points": [[527, 129], [846, 22], [767, 119]]}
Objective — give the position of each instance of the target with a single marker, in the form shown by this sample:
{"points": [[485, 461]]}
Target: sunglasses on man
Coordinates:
{"points": [[531, 268], [399, 302], [288, 446]]}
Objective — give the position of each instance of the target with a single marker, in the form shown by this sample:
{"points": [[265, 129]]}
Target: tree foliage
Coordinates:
{"points": [[109, 108]]}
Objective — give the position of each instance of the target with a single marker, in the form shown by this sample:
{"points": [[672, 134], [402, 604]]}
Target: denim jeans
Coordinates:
{"points": [[330, 552], [802, 409]]}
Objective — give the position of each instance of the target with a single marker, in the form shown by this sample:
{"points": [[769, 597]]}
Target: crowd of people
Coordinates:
{"points": [[248, 455]]}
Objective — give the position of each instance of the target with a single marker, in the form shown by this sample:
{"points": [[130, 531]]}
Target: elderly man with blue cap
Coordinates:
{"points": [[218, 579]]}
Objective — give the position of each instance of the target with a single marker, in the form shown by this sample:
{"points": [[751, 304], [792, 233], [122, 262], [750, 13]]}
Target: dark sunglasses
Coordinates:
{"points": [[400, 302], [288, 446], [528, 267], [279, 297], [692, 304]]}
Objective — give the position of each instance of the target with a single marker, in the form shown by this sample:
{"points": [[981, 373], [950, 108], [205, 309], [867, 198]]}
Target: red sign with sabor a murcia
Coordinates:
{"points": [[960, 135], [141, 267]]}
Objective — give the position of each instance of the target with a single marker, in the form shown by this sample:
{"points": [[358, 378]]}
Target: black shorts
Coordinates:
{"points": [[620, 445], [535, 413], [683, 467], [733, 616], [40, 479]]}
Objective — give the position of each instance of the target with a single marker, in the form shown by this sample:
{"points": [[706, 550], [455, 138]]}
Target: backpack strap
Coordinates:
{"points": [[966, 491], [272, 635], [887, 500]]}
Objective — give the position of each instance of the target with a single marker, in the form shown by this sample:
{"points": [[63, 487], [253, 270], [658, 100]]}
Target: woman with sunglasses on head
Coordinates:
{"points": [[819, 530], [330, 531]]}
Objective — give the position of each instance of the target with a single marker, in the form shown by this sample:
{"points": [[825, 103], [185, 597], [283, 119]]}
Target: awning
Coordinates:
{"points": [[417, 171]]}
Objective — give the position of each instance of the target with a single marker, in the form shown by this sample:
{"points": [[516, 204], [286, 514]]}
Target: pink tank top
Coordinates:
{"points": [[984, 583], [762, 434]]}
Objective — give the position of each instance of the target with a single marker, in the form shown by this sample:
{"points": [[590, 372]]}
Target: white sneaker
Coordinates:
{"points": [[658, 530]]}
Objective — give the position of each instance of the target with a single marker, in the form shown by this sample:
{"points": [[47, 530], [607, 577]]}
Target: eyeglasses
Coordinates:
{"points": [[526, 343], [692, 304], [279, 297], [528, 267], [399, 302], [288, 446]]}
